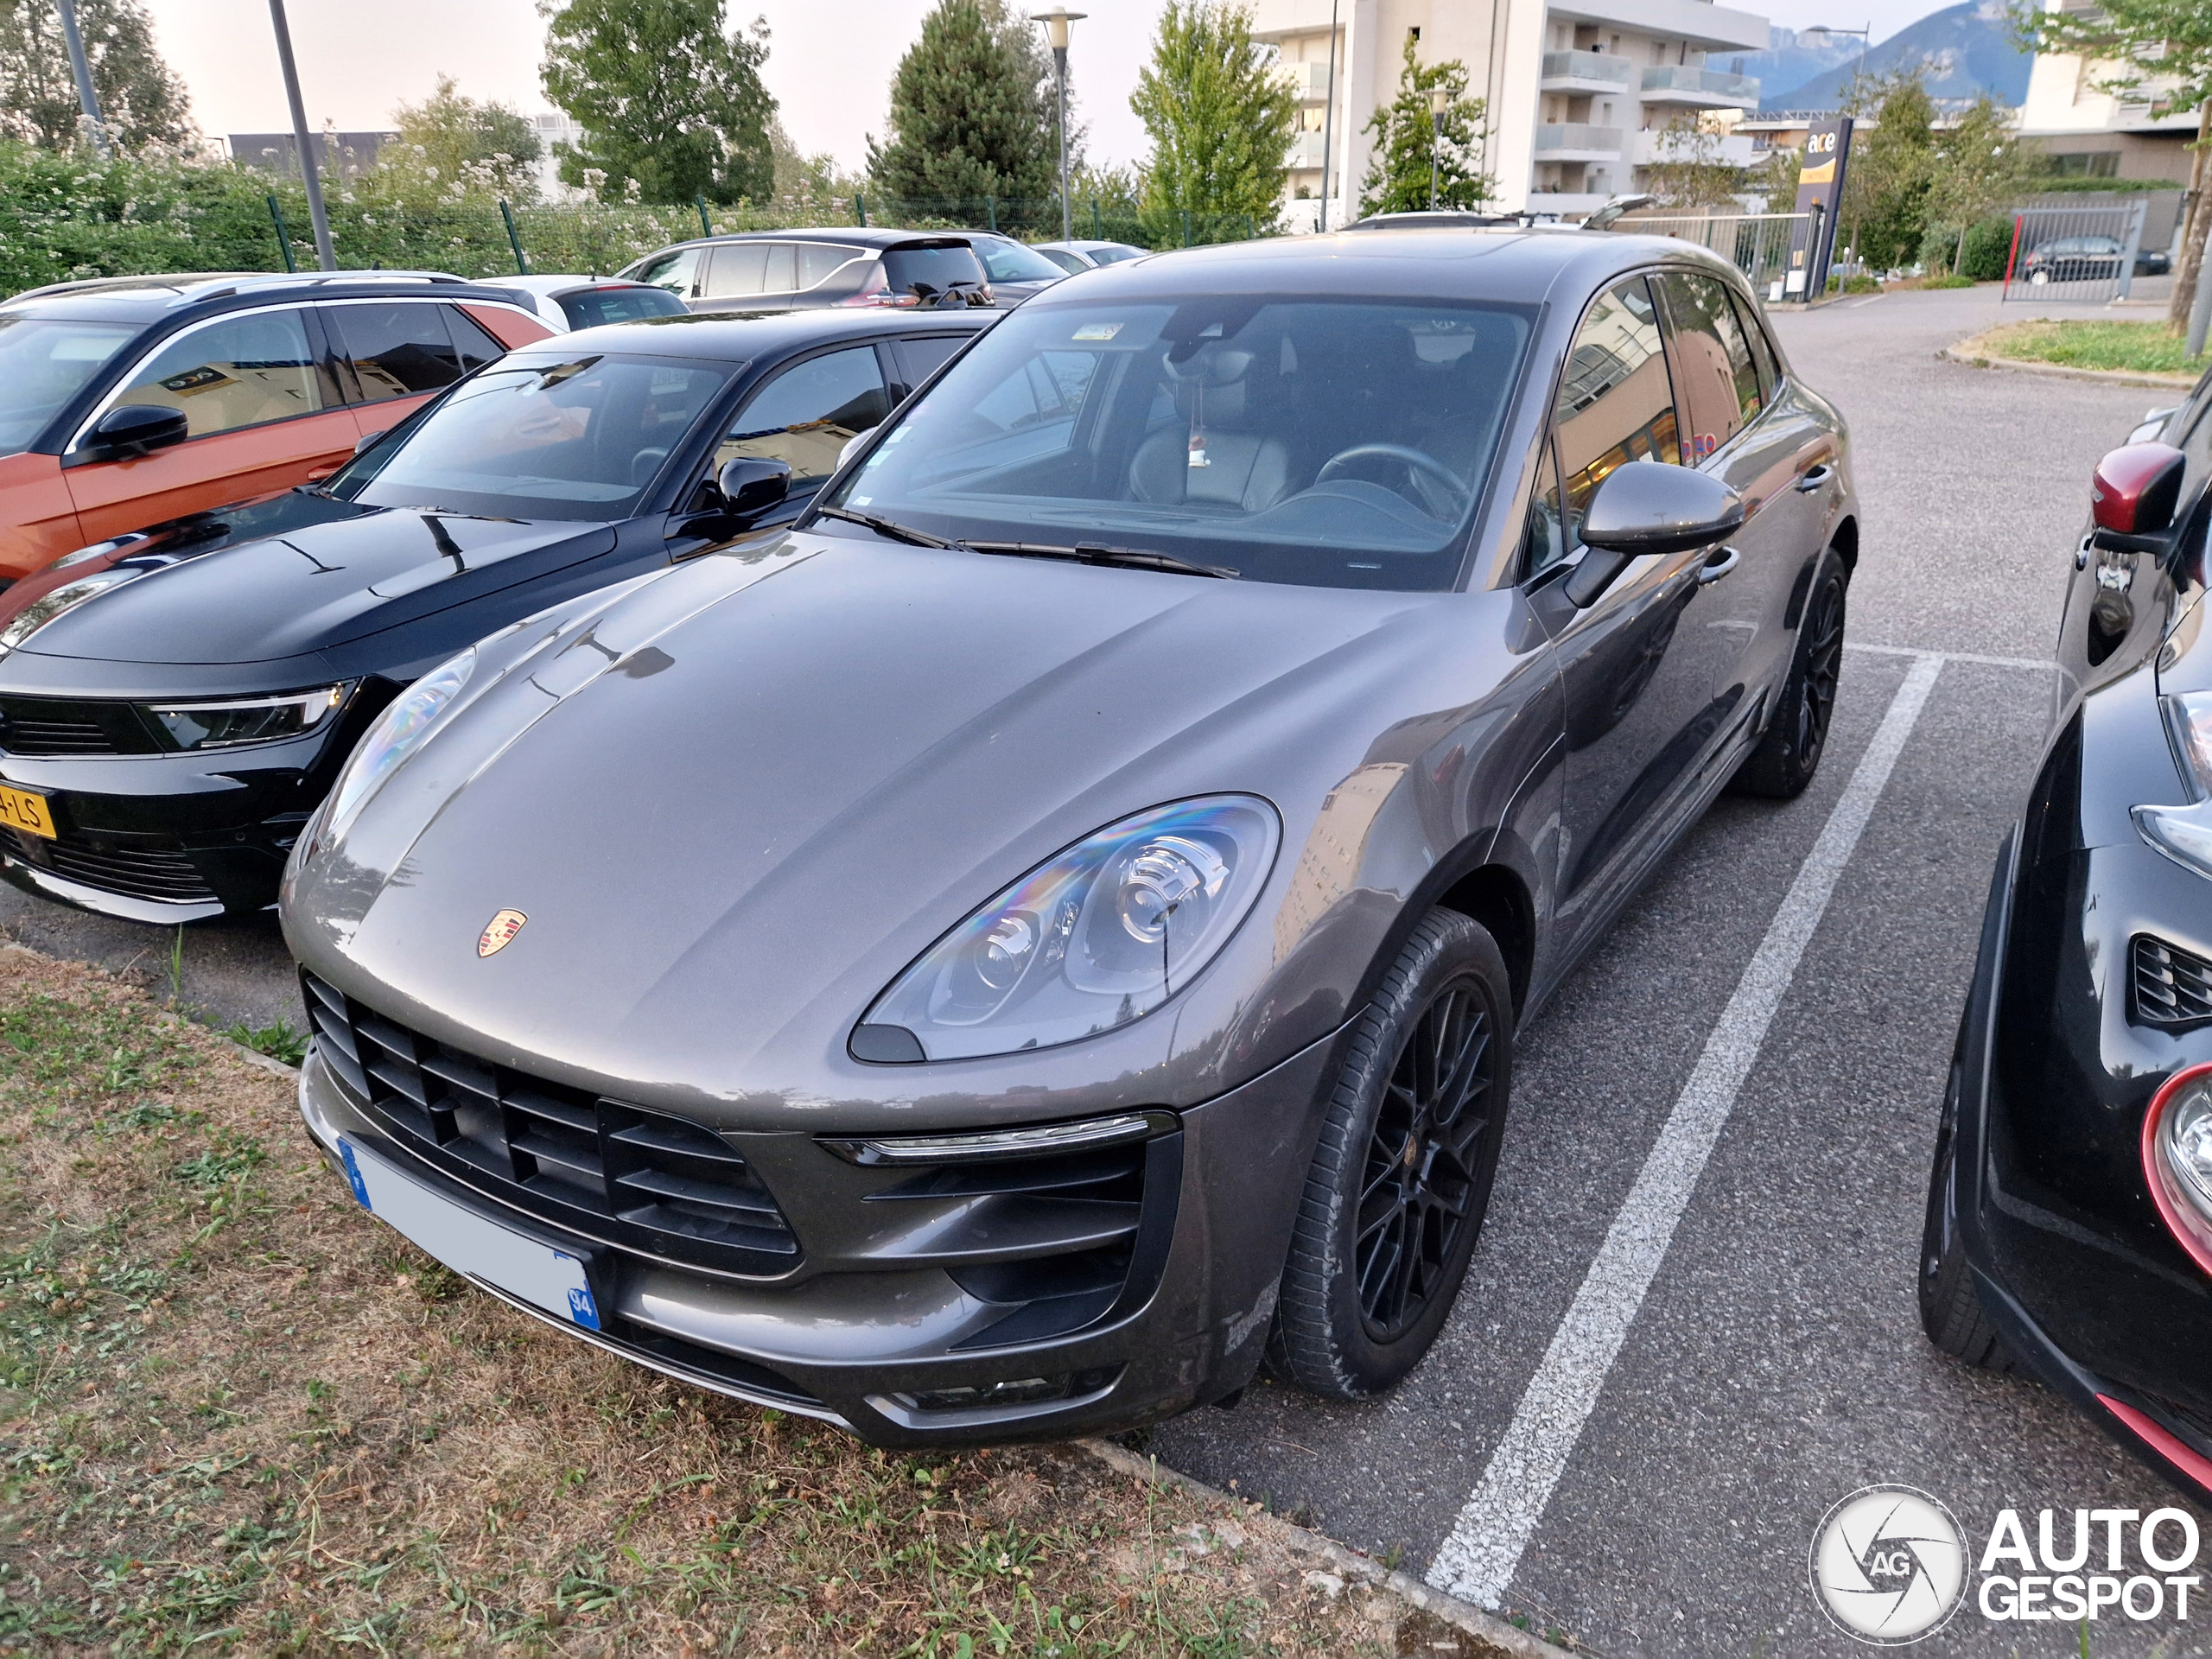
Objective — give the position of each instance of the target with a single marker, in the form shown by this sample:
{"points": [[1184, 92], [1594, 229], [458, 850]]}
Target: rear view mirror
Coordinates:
{"points": [[1647, 506], [137, 430], [2132, 495], [751, 486]]}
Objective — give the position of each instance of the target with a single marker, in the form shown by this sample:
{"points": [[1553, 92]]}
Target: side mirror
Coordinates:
{"points": [[2132, 495], [1647, 506], [138, 429], [751, 486], [369, 440]]}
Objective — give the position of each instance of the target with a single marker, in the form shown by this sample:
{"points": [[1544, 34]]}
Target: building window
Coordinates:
{"points": [[2092, 164]]}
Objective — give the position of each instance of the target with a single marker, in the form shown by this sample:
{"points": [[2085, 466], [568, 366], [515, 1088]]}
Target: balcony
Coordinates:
{"points": [[1700, 89], [1573, 141], [1305, 152], [1308, 82], [1585, 72], [1661, 145], [1706, 27]]}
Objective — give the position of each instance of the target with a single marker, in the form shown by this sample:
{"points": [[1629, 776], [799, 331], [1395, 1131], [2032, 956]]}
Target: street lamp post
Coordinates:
{"points": [[1056, 23], [1865, 39], [324, 256], [1329, 118], [1439, 100], [81, 67]]}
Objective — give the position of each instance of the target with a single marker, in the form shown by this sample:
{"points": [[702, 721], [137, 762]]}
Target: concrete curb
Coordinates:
{"points": [[1492, 1637], [1974, 360]]}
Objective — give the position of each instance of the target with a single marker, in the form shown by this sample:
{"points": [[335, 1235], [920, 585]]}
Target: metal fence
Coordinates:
{"points": [[1757, 244], [2085, 255]]}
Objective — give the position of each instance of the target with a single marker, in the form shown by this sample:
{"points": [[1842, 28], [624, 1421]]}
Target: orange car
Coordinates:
{"points": [[127, 402]]}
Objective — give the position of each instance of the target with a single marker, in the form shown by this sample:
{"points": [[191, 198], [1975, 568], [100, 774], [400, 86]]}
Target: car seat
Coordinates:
{"points": [[1211, 456]]}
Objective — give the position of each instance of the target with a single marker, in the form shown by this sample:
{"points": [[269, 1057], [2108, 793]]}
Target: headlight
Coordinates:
{"points": [[245, 720], [1093, 938], [398, 731], [2184, 833], [48, 605], [2177, 1158]]}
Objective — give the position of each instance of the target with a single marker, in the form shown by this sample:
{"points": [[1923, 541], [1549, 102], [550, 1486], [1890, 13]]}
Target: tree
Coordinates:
{"points": [[1979, 167], [455, 144], [1219, 118], [142, 102], [1892, 169], [2161, 47], [672, 107], [1411, 143], [969, 117], [1689, 172]]}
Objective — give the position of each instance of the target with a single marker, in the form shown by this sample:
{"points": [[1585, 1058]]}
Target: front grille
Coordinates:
{"points": [[52, 727], [162, 873], [2173, 988], [659, 1185]]}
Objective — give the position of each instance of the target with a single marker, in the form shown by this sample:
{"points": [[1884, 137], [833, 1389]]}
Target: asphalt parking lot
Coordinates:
{"points": [[1641, 1451]]}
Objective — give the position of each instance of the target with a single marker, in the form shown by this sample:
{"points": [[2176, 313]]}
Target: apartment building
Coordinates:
{"points": [[1584, 95], [2091, 132]]}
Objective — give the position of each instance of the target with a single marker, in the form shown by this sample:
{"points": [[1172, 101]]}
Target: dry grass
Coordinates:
{"points": [[235, 1414]]}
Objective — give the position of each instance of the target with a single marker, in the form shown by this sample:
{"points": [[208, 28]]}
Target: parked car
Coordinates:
{"points": [[2069, 1211], [1072, 257], [173, 705], [792, 271], [2086, 259], [573, 302], [1051, 926], [1017, 271], [125, 401]]}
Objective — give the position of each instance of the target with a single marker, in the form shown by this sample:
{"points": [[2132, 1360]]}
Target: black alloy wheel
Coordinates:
{"points": [[1789, 753], [1400, 1177]]}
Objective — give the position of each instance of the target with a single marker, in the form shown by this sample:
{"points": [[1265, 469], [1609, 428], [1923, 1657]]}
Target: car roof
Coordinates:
{"points": [[143, 300], [849, 236], [1520, 265], [552, 286], [738, 336]]}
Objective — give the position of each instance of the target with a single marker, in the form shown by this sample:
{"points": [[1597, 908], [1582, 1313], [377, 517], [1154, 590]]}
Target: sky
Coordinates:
{"points": [[829, 61]]}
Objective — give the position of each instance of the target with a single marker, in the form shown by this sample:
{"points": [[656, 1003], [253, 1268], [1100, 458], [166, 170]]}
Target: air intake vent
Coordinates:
{"points": [[660, 1185], [2173, 988], [138, 871], [50, 726]]}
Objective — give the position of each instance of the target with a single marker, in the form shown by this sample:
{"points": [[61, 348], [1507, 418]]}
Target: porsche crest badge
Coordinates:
{"points": [[500, 933]]}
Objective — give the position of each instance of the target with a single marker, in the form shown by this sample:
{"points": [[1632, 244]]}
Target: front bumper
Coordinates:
{"points": [[905, 1321]]}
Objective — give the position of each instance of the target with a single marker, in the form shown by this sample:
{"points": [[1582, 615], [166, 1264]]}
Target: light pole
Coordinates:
{"points": [[1440, 100], [1865, 39], [1056, 23], [323, 255], [1329, 118], [80, 66]]}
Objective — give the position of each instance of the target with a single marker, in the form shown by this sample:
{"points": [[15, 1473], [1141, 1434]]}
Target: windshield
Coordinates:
{"points": [[1010, 262], [44, 362], [541, 437], [1327, 443], [933, 269]]}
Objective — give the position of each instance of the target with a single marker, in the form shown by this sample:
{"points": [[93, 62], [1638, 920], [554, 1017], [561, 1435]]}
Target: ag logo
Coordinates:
{"points": [[1889, 1565], [500, 933]]}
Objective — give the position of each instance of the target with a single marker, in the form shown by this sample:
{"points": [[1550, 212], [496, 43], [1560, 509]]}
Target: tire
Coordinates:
{"points": [[1417, 1140], [1950, 1307], [1789, 755]]}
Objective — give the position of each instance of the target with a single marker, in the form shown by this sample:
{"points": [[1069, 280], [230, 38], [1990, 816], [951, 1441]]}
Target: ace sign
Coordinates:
{"points": [[1819, 193]]}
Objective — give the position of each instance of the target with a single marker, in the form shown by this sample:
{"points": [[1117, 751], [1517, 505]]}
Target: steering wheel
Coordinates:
{"points": [[1442, 491]]}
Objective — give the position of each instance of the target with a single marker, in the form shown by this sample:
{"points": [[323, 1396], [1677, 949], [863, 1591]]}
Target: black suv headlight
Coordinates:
{"points": [[233, 721]]}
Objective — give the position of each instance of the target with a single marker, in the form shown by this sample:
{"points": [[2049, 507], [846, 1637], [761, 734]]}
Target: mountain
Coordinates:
{"points": [[1966, 50], [1792, 57]]}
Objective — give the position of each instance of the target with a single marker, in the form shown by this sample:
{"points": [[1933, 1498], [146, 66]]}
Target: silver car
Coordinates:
{"points": [[1043, 937]]}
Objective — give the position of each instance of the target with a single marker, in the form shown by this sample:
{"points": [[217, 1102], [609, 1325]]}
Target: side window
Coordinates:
{"points": [[471, 339], [238, 372], [1718, 392], [1616, 404], [1546, 538], [1769, 365], [399, 350], [779, 274], [677, 272], [917, 359], [807, 414], [736, 270], [816, 260]]}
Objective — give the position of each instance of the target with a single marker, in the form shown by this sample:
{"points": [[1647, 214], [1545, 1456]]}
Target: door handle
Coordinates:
{"points": [[1815, 478], [1718, 566]]}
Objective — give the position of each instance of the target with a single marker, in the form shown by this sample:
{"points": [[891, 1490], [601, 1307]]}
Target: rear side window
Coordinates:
{"points": [[917, 359], [399, 350], [817, 260], [1717, 382], [807, 414], [597, 305], [238, 372], [931, 270], [1762, 347], [742, 268], [1616, 404], [472, 341]]}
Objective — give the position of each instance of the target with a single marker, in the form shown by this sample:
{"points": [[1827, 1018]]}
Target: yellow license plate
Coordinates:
{"points": [[26, 810]]}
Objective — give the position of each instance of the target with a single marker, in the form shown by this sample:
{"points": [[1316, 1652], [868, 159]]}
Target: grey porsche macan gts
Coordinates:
{"points": [[1043, 937]]}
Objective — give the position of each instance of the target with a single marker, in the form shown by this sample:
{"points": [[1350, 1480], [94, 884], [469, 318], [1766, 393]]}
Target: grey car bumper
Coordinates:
{"points": [[893, 1328]]}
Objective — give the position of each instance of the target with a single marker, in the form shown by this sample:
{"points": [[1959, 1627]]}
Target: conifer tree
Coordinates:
{"points": [[970, 115]]}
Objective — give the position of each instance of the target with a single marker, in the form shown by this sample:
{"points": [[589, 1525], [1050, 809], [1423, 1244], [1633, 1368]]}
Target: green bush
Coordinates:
{"points": [[1989, 243]]}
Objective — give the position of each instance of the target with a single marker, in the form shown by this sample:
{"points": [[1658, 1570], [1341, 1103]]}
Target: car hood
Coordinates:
{"points": [[737, 804], [314, 585]]}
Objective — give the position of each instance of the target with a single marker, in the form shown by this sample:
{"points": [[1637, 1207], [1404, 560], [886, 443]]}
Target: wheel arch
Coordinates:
{"points": [[1497, 897]]}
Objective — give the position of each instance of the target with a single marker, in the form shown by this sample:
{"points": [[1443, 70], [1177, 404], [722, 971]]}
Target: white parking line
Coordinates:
{"points": [[2044, 663], [1477, 1562]]}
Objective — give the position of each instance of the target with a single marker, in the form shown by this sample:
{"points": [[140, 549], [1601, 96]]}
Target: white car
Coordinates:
{"points": [[572, 301], [1072, 257]]}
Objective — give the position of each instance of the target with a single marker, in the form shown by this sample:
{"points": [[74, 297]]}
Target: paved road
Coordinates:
{"points": [[1775, 1363]]}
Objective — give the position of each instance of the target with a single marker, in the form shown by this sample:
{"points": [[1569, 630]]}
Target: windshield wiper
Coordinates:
{"points": [[1132, 558], [897, 532]]}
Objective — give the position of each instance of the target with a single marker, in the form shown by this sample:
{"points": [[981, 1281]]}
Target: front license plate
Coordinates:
{"points": [[26, 810], [468, 1243]]}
